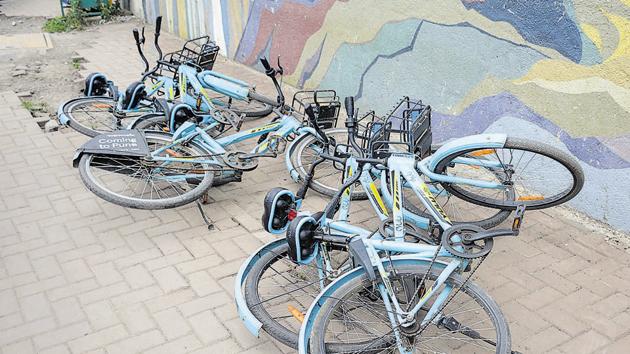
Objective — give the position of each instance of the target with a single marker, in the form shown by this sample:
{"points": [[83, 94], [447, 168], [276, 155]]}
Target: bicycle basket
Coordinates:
{"points": [[200, 53], [327, 102], [407, 128]]}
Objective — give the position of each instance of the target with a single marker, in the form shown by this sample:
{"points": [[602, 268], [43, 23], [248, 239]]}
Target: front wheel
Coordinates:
{"points": [[538, 175], [143, 183], [328, 175], [355, 318]]}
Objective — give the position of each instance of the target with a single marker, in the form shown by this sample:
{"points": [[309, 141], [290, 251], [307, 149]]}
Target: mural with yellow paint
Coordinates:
{"points": [[553, 70]]}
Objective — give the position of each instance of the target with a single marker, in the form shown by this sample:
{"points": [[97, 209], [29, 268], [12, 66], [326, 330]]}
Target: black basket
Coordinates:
{"points": [[327, 102], [406, 129], [200, 53]]}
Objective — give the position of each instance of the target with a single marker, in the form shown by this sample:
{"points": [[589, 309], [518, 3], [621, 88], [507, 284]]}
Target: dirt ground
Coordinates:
{"points": [[44, 77]]}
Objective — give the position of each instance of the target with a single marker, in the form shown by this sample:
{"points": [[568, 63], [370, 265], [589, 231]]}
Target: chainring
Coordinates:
{"points": [[236, 161], [453, 240]]}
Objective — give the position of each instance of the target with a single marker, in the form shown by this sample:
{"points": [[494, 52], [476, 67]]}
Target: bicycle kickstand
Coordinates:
{"points": [[205, 218]]}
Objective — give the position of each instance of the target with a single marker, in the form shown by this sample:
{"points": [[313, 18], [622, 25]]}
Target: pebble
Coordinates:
{"points": [[13, 23], [24, 94], [51, 126], [19, 73]]}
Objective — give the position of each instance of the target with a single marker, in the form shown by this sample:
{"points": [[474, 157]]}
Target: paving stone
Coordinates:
{"points": [[172, 323], [207, 327], [34, 307], [98, 339], [101, 314]]}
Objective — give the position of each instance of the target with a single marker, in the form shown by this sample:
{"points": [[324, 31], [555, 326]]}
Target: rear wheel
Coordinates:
{"points": [[92, 116], [278, 291], [539, 176], [353, 319], [142, 183], [252, 108]]}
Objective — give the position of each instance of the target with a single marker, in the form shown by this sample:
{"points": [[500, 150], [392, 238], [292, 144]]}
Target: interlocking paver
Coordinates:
{"points": [[78, 274]]}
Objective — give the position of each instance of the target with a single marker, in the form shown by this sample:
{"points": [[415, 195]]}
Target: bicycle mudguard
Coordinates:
{"points": [[280, 208], [307, 325], [466, 143], [95, 85], [119, 142], [251, 322], [224, 84]]}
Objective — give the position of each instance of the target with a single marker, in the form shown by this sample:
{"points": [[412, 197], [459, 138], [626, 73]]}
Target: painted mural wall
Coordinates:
{"points": [[553, 70]]}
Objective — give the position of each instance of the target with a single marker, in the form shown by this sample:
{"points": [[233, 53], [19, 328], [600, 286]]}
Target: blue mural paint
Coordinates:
{"points": [[543, 22]]}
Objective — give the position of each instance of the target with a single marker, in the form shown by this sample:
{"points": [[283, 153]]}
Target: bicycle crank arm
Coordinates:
{"points": [[264, 154]]}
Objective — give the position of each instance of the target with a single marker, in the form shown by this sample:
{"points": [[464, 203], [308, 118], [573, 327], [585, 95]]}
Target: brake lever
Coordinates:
{"points": [[143, 38]]}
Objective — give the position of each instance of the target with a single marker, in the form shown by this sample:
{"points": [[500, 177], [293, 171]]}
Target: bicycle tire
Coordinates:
{"points": [[299, 146], [563, 159], [104, 105], [243, 106], [189, 196], [351, 286]]}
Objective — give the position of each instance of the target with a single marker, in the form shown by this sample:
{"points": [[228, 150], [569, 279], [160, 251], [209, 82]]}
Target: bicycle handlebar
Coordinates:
{"points": [[139, 42], [271, 72], [158, 28]]}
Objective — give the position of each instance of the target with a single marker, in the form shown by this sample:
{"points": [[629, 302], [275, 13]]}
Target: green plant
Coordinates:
{"points": [[33, 106], [109, 9], [76, 63], [74, 19]]}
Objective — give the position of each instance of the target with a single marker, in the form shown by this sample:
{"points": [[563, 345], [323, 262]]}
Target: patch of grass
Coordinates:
{"points": [[33, 106], [76, 64], [74, 19]]}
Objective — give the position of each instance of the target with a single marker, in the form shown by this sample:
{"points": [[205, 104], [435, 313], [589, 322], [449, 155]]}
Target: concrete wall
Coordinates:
{"points": [[553, 70]]}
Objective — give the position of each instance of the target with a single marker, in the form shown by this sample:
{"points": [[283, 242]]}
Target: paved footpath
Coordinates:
{"points": [[79, 275]]}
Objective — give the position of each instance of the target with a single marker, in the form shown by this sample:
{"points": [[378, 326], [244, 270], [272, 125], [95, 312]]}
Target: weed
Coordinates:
{"points": [[74, 19], [76, 64], [33, 106], [109, 9]]}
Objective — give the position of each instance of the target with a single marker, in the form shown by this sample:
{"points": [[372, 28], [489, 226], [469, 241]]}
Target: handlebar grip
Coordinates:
{"points": [[349, 104], [265, 64], [158, 25], [310, 113], [136, 35]]}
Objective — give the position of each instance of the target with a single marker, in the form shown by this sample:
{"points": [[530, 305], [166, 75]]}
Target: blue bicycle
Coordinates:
{"points": [[185, 74], [279, 282], [158, 169]]}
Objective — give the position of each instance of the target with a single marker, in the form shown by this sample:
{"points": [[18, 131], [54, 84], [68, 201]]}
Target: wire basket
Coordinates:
{"points": [[200, 53], [327, 103], [407, 128]]}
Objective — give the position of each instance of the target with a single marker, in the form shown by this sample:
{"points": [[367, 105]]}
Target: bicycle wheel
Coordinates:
{"points": [[92, 116], [145, 184], [539, 175], [354, 317], [328, 175], [275, 282], [156, 122], [252, 108]]}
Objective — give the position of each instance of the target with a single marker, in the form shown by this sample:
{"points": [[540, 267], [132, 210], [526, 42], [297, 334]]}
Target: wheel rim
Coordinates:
{"points": [[136, 179], [285, 290], [328, 175], [359, 320], [534, 178], [97, 114]]}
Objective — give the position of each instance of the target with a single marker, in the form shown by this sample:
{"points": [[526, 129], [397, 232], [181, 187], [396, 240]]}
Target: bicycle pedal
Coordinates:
{"points": [[518, 218]]}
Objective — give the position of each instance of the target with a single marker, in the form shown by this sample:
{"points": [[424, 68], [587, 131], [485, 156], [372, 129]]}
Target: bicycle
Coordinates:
{"points": [[260, 309], [186, 74], [157, 170]]}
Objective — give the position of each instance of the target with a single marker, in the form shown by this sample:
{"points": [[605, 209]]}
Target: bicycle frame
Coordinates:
{"points": [[286, 126], [402, 168], [424, 192]]}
